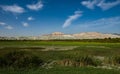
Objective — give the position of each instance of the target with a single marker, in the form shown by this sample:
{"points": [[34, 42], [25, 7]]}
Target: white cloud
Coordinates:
{"points": [[13, 8], [68, 22], [6, 26], [108, 5], [2, 23], [91, 4], [9, 27], [113, 21], [36, 6], [30, 18], [25, 24]]}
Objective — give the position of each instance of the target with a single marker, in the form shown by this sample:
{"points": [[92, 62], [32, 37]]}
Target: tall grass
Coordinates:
{"points": [[113, 60], [80, 61]]}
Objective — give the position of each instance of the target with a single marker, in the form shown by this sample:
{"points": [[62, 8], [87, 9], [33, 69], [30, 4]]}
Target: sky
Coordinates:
{"points": [[39, 17]]}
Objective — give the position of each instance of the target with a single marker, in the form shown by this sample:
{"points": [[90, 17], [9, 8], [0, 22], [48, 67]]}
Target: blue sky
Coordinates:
{"points": [[38, 17]]}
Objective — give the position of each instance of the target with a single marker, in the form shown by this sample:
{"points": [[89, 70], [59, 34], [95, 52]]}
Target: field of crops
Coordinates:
{"points": [[59, 57]]}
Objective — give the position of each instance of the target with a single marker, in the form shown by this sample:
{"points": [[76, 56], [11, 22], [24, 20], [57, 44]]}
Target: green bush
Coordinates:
{"points": [[20, 59]]}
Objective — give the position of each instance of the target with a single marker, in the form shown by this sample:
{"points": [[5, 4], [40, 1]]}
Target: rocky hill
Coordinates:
{"points": [[62, 36], [84, 35]]}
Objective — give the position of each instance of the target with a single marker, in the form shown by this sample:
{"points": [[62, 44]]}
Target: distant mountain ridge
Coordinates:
{"points": [[83, 35], [116, 34], [62, 36]]}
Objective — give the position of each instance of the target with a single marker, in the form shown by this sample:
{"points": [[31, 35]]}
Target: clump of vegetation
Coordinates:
{"points": [[20, 59], [87, 61], [80, 61], [113, 60]]}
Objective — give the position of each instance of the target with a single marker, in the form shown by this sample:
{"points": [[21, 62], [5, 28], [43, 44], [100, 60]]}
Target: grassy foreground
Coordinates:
{"points": [[70, 53]]}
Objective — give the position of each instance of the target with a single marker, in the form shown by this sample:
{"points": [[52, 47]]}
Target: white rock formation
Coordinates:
{"points": [[84, 35]]}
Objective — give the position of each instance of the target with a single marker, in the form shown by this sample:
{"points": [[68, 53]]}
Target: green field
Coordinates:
{"points": [[61, 70], [67, 57]]}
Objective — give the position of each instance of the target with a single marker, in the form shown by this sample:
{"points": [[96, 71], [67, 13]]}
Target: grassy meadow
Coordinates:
{"points": [[60, 57]]}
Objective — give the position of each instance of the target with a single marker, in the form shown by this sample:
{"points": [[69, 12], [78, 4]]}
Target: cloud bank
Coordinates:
{"points": [[113, 21], [91, 4], [106, 6]]}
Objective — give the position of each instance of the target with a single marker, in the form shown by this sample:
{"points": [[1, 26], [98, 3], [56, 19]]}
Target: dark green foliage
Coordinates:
{"points": [[20, 59]]}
